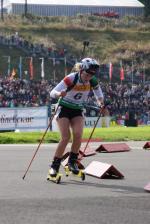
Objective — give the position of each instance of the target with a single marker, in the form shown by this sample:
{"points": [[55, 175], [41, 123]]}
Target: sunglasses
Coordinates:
{"points": [[93, 69], [90, 72]]}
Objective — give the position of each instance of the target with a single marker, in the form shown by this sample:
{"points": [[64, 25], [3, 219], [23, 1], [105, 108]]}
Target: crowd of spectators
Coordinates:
{"points": [[36, 49], [120, 98], [129, 98], [23, 93]]}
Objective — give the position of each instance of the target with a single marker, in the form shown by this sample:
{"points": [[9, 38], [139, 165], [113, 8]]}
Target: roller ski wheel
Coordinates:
{"points": [[80, 174], [56, 179], [67, 171]]}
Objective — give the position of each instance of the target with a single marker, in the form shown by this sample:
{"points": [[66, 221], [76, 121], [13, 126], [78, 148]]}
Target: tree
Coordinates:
{"points": [[2, 14], [147, 7]]}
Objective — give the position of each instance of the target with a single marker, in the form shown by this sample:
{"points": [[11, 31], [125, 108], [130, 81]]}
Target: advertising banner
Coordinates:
{"points": [[24, 119]]}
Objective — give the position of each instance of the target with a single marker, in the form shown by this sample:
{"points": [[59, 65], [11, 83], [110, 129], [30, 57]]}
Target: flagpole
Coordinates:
{"points": [[8, 66], [20, 67], [120, 71], [144, 73], [65, 62], [54, 71], [132, 72]]}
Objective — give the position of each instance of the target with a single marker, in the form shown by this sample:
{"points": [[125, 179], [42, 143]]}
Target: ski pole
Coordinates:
{"points": [[91, 133], [50, 122]]}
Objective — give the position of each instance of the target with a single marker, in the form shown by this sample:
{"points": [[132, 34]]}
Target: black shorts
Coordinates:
{"points": [[69, 112]]}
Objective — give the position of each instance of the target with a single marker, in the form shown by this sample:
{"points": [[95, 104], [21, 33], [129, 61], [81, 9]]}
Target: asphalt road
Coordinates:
{"points": [[94, 201]]}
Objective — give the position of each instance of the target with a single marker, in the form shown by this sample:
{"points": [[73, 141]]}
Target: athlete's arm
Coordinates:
{"points": [[61, 89], [99, 96]]}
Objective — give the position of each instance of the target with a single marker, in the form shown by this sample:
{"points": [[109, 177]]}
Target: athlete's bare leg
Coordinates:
{"points": [[77, 124], [64, 127]]}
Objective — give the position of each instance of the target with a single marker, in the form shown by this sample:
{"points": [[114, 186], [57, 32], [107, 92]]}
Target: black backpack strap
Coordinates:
{"points": [[73, 84]]}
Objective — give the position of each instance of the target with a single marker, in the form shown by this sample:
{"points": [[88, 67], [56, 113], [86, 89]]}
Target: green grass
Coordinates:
{"points": [[122, 133], [104, 134]]}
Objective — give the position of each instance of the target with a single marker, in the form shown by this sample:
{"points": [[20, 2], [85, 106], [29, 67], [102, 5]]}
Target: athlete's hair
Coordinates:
{"points": [[77, 67]]}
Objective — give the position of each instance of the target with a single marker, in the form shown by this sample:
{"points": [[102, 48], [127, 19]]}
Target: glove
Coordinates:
{"points": [[101, 105], [63, 93]]}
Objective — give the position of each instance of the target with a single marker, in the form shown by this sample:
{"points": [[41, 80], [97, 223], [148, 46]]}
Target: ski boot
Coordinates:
{"points": [[72, 167], [53, 172]]}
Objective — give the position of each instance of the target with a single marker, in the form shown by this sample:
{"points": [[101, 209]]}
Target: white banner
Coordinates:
{"points": [[24, 119], [103, 122], [89, 122]]}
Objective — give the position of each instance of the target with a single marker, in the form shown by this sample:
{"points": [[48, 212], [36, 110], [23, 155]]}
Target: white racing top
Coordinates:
{"points": [[78, 95]]}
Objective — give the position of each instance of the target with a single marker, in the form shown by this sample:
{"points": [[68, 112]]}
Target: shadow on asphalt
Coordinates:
{"points": [[115, 188]]}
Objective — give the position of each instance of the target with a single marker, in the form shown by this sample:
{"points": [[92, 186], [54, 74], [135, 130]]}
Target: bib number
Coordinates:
{"points": [[78, 96]]}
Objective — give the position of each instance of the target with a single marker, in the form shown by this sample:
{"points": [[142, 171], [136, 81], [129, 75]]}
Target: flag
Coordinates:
{"points": [[144, 73], [42, 68], [65, 62], [121, 74], [31, 68], [20, 68], [8, 66], [13, 74], [110, 71]]}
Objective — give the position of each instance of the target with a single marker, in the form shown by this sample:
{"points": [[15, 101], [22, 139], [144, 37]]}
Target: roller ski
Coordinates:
{"points": [[72, 167], [53, 172], [80, 173], [56, 179]]}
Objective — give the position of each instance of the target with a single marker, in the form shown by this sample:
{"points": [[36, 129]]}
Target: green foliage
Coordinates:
{"points": [[147, 7]]}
